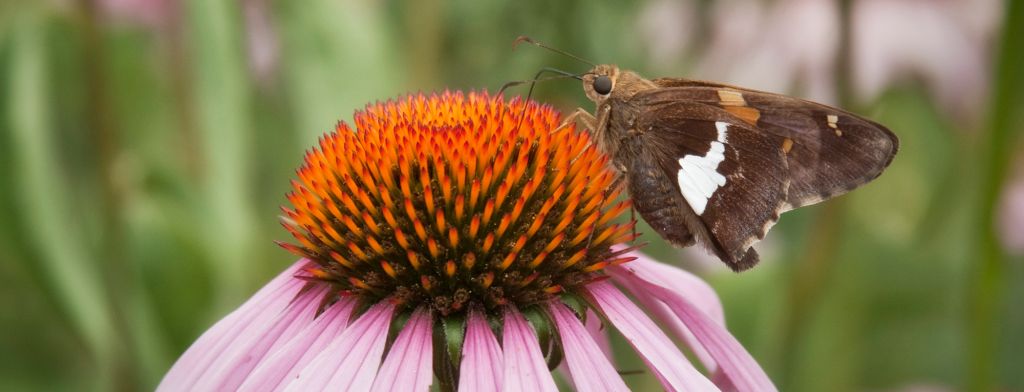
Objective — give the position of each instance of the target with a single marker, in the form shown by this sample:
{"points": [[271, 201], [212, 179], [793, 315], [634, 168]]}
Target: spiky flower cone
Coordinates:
{"points": [[455, 201]]}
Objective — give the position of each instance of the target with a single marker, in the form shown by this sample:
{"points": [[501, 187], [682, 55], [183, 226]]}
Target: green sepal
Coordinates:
{"points": [[577, 304], [547, 335], [398, 322], [449, 336]]}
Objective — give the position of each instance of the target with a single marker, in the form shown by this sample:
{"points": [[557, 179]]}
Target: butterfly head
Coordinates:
{"points": [[606, 81]]}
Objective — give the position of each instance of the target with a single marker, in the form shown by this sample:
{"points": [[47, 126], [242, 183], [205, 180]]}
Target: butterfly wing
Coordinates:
{"points": [[729, 181], [741, 157], [830, 151]]}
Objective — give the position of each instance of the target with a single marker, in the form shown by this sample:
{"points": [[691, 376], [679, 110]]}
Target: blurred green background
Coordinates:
{"points": [[145, 146]]}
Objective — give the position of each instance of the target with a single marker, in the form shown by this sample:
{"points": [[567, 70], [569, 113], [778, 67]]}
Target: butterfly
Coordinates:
{"points": [[717, 164]]}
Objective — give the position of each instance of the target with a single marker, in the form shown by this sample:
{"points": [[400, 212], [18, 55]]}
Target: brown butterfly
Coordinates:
{"points": [[716, 164]]}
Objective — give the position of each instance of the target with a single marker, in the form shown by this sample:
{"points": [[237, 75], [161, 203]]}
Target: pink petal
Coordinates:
{"points": [[285, 363], [588, 366], [409, 365], [660, 353], [482, 363], [262, 307], [598, 333], [235, 364], [740, 368], [525, 368], [351, 361]]}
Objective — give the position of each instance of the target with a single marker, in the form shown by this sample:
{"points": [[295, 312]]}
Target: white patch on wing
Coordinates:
{"points": [[698, 175]]}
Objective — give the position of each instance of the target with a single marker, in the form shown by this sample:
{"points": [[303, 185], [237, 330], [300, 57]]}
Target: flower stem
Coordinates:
{"points": [[987, 283]]}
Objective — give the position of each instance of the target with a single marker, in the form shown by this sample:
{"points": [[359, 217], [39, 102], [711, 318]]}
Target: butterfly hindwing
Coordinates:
{"points": [[730, 179], [830, 151], [661, 206]]}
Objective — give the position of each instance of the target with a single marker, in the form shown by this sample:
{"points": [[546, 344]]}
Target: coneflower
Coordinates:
{"points": [[467, 240]]}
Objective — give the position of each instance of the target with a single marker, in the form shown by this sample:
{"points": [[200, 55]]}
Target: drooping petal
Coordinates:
{"points": [[286, 362], [525, 368], [482, 363], [661, 354], [235, 364], [351, 361], [734, 361], [230, 331], [600, 335], [589, 368], [409, 365], [689, 285], [668, 320]]}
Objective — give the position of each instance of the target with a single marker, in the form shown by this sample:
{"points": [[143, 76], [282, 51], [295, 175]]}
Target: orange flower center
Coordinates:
{"points": [[452, 200]]}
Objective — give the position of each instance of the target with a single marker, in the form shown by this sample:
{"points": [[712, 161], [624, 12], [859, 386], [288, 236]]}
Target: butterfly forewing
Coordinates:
{"points": [[830, 152]]}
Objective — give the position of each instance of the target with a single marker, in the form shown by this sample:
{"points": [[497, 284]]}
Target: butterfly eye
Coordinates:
{"points": [[603, 85]]}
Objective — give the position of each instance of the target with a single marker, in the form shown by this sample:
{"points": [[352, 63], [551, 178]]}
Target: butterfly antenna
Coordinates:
{"points": [[533, 83], [523, 38], [537, 78]]}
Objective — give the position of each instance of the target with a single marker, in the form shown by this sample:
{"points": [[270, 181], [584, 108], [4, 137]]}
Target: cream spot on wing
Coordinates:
{"points": [[698, 175], [731, 98]]}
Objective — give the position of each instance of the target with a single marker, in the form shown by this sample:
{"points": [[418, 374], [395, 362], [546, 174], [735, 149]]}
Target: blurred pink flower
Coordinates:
{"points": [[945, 42], [262, 45], [1010, 214], [150, 13], [774, 46], [792, 45], [667, 28], [407, 272]]}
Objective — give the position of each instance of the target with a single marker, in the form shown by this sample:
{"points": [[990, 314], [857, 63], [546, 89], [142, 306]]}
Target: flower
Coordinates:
{"points": [[796, 45], [468, 239]]}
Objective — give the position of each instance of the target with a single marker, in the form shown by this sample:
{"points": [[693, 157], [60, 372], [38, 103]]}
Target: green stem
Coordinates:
{"points": [[222, 119], [813, 271], [64, 263], [987, 282], [117, 274]]}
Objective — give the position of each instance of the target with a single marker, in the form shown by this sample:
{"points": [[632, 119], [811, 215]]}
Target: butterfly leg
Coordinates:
{"points": [[580, 115], [608, 191], [594, 125], [632, 217], [632, 210]]}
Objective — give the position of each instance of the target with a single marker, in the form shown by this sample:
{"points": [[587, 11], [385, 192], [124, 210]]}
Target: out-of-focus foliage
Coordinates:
{"points": [[146, 144]]}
